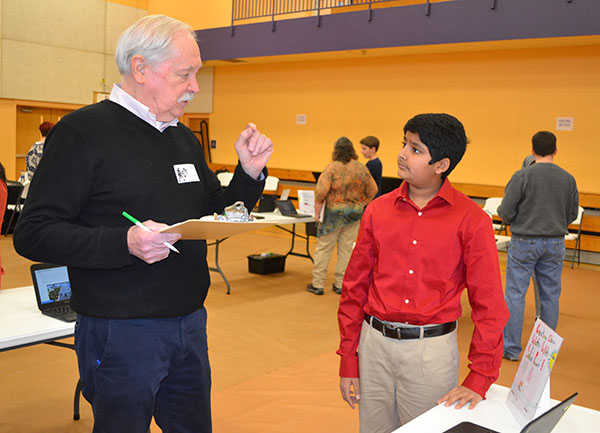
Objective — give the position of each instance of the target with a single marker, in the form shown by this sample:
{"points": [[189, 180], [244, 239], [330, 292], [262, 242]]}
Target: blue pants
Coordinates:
{"points": [[134, 369], [544, 256]]}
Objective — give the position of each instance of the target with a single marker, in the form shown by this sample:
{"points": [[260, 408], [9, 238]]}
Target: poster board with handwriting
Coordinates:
{"points": [[533, 372]]}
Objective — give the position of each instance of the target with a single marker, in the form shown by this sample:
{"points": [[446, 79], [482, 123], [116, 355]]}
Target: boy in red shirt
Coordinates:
{"points": [[418, 248]]}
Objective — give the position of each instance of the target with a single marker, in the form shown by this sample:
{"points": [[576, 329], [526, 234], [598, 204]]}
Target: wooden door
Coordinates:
{"points": [[29, 119]]}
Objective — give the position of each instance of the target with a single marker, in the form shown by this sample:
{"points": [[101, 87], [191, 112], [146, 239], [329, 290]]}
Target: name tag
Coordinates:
{"points": [[186, 173]]}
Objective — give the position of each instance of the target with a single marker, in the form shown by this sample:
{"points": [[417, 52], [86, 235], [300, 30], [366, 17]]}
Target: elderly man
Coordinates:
{"points": [[141, 330]]}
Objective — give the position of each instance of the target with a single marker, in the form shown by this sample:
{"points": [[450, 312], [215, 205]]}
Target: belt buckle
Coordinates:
{"points": [[392, 329]]}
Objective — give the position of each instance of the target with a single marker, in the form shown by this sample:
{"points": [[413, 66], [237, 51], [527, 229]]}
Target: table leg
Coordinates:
{"points": [[294, 234], [217, 267], [77, 395], [76, 400]]}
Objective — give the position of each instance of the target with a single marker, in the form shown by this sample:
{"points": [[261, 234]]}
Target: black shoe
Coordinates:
{"points": [[510, 357], [337, 290], [310, 288]]}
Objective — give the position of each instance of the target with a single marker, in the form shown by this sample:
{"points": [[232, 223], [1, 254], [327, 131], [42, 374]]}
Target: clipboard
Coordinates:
{"points": [[209, 228]]}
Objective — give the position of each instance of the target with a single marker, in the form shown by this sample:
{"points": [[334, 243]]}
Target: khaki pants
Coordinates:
{"points": [[344, 238], [401, 379]]}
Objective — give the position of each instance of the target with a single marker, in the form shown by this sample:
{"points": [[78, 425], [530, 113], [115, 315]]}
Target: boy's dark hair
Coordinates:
{"points": [[343, 150], [544, 143], [370, 141], [443, 135], [45, 128]]}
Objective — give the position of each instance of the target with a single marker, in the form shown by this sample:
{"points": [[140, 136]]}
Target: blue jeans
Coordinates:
{"points": [[133, 369], [544, 256]]}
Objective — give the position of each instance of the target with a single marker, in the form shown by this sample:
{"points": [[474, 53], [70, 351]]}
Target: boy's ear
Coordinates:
{"points": [[442, 165]]}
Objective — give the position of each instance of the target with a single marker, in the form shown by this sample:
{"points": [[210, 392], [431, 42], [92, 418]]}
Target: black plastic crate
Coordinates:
{"points": [[266, 263]]}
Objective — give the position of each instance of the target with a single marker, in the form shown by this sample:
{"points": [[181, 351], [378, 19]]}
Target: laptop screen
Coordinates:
{"points": [[286, 207], [51, 283]]}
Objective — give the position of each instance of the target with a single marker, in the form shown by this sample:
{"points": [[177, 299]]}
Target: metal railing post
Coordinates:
{"points": [[318, 13], [232, 17]]}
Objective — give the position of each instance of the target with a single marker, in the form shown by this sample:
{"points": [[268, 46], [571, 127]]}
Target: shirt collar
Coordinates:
{"points": [[446, 192], [125, 100]]}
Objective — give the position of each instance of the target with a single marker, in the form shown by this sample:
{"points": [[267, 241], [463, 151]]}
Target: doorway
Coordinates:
{"points": [[29, 119], [198, 123]]}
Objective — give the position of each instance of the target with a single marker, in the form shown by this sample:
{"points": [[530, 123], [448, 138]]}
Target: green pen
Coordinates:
{"points": [[146, 229]]}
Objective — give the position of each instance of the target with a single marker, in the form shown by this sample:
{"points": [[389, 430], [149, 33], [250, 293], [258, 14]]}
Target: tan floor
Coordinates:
{"points": [[272, 348]]}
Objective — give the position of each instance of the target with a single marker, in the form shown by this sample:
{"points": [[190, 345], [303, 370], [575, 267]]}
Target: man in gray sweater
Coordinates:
{"points": [[540, 201]]}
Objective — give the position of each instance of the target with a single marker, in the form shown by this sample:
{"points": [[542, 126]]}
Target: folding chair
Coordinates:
{"points": [[271, 184], [491, 206], [13, 204], [576, 237], [224, 177]]}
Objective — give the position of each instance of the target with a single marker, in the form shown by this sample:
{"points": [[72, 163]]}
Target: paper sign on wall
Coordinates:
{"points": [[534, 372], [300, 119], [564, 123]]}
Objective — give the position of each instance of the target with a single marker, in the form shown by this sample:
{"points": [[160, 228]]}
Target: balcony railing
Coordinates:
{"points": [[255, 9]]}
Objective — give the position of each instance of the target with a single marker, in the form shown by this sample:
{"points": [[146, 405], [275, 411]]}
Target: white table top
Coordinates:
{"points": [[494, 414], [22, 323]]}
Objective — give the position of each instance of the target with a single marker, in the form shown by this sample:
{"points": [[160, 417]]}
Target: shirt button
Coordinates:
{"points": [[410, 271], [414, 242], [406, 301], [420, 213]]}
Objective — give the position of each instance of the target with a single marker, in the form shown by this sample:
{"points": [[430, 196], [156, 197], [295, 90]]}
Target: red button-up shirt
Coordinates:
{"points": [[411, 265]]}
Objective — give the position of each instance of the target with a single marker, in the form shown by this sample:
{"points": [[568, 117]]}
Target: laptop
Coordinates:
{"points": [[53, 290], [544, 423], [286, 207], [267, 203]]}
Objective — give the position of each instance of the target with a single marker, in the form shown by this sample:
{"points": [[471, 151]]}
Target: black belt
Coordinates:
{"points": [[408, 333]]}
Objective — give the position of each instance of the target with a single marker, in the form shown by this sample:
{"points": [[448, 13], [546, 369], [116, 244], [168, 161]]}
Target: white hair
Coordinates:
{"points": [[151, 38]]}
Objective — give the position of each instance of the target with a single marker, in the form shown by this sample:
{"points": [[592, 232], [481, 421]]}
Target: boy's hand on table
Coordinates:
{"points": [[462, 395], [350, 388]]}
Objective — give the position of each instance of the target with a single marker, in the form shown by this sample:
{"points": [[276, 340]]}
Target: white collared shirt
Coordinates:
{"points": [[125, 100]]}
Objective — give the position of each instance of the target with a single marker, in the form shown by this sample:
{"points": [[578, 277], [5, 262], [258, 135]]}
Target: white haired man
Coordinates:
{"points": [[141, 329]]}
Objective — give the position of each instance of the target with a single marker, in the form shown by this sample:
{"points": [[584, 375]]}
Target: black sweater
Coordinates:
{"points": [[99, 161]]}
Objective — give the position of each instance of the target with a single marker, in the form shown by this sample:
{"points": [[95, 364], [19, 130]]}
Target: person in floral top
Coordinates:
{"points": [[35, 153], [344, 188]]}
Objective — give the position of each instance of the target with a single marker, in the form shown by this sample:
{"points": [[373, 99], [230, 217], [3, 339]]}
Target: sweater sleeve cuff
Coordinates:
{"points": [[478, 383], [349, 366], [261, 177]]}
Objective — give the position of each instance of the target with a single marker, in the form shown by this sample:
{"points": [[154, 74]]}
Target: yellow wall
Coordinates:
{"points": [[200, 14], [8, 122], [140, 4], [502, 97], [59, 52]]}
